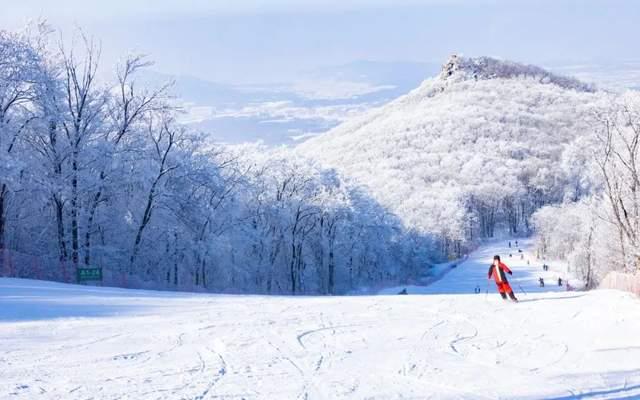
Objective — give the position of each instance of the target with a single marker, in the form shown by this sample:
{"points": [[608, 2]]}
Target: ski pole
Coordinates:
{"points": [[522, 289]]}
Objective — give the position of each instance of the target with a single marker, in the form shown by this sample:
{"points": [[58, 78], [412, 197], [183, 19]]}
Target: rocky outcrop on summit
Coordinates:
{"points": [[462, 68]]}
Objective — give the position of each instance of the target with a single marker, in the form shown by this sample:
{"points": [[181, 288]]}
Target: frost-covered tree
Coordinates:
{"points": [[20, 63], [97, 172], [596, 228], [618, 159]]}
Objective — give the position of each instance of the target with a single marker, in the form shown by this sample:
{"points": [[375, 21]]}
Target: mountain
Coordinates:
{"points": [[475, 148]]}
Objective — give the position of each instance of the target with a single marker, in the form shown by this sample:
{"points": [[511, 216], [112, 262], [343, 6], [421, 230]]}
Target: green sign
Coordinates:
{"points": [[89, 274]]}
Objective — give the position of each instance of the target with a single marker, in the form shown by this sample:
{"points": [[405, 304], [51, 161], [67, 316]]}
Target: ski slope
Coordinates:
{"points": [[444, 342]]}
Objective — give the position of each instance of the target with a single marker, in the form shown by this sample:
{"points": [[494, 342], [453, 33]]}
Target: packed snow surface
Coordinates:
{"points": [[442, 341]]}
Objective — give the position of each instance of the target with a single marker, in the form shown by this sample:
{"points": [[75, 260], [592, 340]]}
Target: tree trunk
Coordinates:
{"points": [[588, 274], [203, 274], [74, 211], [62, 245], [89, 229], [292, 267], [145, 220], [332, 269], [175, 272], [3, 217], [622, 248]]}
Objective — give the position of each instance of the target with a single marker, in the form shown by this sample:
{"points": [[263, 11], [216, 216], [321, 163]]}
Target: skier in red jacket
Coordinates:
{"points": [[498, 271]]}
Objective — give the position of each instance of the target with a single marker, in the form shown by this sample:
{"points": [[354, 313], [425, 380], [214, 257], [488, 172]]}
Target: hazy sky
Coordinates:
{"points": [[246, 41]]}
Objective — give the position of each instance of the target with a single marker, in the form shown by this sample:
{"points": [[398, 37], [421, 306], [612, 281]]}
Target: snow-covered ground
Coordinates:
{"points": [[473, 273], [72, 342]]}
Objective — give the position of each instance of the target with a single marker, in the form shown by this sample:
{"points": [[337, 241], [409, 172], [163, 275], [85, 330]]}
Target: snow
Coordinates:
{"points": [[473, 272], [442, 342]]}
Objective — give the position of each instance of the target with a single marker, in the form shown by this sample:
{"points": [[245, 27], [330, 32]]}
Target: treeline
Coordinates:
{"points": [[100, 174]]}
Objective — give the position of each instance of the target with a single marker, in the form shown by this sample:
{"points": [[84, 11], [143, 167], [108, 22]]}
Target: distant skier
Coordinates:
{"points": [[559, 281], [541, 282], [498, 271], [516, 243], [509, 243]]}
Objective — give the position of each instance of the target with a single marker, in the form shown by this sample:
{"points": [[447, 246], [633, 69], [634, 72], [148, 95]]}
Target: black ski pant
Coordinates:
{"points": [[513, 296]]}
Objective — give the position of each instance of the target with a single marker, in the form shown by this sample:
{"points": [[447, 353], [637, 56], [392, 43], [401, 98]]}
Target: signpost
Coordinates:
{"points": [[89, 274]]}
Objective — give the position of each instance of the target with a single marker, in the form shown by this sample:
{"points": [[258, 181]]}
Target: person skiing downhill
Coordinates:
{"points": [[498, 271]]}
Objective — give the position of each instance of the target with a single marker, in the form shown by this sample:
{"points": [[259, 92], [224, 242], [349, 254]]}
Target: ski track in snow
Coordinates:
{"points": [[441, 341]]}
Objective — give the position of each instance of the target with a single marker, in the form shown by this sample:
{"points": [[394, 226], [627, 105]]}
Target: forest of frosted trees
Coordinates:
{"points": [[471, 154], [97, 173], [598, 230]]}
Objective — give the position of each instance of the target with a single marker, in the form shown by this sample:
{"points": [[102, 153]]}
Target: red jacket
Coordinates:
{"points": [[499, 274]]}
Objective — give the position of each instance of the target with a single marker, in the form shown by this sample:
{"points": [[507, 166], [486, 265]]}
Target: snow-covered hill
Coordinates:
{"points": [[483, 131], [71, 342]]}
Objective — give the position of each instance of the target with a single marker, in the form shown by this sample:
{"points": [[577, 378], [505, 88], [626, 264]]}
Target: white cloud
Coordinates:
{"points": [[334, 89], [274, 111]]}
